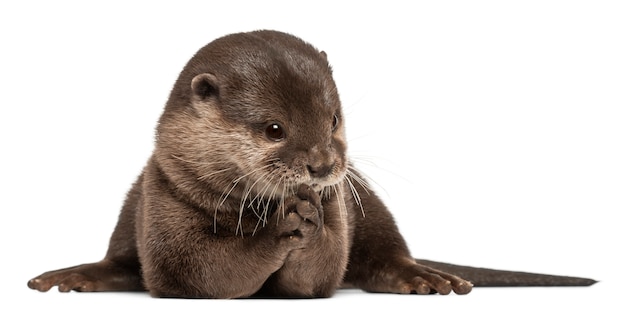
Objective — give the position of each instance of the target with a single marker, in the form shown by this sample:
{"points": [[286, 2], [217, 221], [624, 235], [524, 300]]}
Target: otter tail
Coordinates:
{"points": [[483, 277]]}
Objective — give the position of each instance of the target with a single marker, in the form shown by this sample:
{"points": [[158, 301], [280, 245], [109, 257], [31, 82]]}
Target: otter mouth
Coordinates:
{"points": [[319, 184]]}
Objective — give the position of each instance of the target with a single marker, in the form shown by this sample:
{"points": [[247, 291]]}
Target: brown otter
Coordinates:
{"points": [[249, 192]]}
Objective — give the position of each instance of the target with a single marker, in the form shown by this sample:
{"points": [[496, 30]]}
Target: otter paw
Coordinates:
{"points": [[66, 280], [302, 216], [408, 277], [96, 277], [425, 280], [311, 210]]}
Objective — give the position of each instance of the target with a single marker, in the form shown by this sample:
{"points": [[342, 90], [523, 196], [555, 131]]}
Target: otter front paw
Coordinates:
{"points": [[301, 218], [311, 207]]}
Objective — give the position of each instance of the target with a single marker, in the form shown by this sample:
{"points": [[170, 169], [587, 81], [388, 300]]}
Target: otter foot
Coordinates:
{"points": [[425, 280], [422, 280], [96, 277]]}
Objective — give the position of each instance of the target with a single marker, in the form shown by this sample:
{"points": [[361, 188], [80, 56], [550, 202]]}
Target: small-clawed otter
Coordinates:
{"points": [[249, 192]]}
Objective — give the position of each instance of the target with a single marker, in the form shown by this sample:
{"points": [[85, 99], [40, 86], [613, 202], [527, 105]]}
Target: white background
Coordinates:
{"points": [[496, 132]]}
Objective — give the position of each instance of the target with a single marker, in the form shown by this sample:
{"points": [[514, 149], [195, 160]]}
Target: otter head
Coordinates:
{"points": [[255, 114]]}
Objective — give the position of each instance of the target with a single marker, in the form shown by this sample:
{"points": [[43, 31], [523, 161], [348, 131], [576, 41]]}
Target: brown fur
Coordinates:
{"points": [[249, 190]]}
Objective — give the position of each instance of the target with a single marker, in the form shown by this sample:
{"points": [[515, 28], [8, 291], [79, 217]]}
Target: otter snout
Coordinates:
{"points": [[320, 171]]}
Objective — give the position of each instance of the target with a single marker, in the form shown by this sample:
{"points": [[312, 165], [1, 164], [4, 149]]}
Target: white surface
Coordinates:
{"points": [[497, 131]]}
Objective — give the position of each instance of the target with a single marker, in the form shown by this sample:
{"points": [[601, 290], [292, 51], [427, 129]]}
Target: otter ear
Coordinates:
{"points": [[204, 86], [323, 54]]}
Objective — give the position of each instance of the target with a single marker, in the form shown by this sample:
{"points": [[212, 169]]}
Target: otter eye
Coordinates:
{"points": [[274, 132], [335, 122]]}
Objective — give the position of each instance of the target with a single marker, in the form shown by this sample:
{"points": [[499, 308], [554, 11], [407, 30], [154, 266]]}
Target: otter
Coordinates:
{"points": [[250, 192]]}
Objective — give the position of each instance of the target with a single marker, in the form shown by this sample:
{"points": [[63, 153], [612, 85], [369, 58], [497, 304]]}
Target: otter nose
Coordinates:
{"points": [[320, 171]]}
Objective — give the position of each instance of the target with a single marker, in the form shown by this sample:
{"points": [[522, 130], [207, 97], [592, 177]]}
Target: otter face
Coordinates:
{"points": [[287, 134], [262, 117]]}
